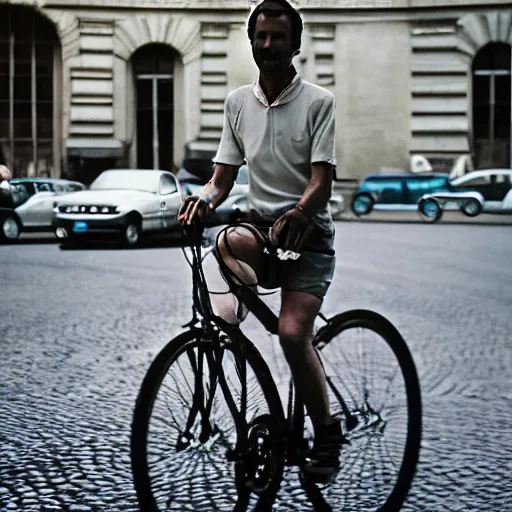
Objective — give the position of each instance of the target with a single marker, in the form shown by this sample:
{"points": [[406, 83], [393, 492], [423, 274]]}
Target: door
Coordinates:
{"points": [[29, 49], [37, 211], [480, 184], [392, 191], [153, 67], [491, 106], [170, 201], [417, 187]]}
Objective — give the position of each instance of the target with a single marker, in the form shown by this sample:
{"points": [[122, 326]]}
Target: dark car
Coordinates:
{"points": [[396, 191]]}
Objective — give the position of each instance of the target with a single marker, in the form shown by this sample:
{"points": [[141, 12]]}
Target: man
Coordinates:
{"points": [[284, 127], [5, 188]]}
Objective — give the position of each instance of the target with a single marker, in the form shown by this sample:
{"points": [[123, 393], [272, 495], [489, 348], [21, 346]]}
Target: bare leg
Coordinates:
{"points": [[298, 312], [296, 319]]}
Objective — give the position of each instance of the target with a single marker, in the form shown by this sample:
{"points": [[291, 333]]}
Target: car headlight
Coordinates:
{"points": [[90, 209]]}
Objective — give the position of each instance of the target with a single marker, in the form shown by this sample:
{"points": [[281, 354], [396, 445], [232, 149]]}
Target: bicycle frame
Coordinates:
{"points": [[246, 295], [255, 305], [265, 316], [293, 434], [214, 324]]}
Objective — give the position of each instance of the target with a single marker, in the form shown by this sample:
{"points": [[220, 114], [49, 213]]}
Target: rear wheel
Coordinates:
{"points": [[471, 207], [374, 388], [203, 442]]}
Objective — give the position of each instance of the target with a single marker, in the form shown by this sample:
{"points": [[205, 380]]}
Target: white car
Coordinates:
{"points": [[123, 202], [27, 204], [487, 190]]}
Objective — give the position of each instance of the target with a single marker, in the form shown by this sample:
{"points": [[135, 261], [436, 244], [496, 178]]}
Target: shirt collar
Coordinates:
{"points": [[287, 94]]}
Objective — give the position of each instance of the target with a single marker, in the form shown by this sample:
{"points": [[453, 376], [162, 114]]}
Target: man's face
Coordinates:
{"points": [[272, 47]]}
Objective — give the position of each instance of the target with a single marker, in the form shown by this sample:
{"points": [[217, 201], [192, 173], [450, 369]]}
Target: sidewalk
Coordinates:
{"points": [[411, 217]]}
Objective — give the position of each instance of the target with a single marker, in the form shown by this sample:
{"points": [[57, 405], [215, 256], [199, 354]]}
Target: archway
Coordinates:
{"points": [[491, 72], [29, 58]]}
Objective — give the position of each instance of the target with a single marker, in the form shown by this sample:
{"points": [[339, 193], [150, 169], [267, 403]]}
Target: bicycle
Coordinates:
{"points": [[228, 426]]}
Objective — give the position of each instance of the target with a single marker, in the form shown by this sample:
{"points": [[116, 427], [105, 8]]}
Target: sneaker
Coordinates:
{"points": [[322, 463]]}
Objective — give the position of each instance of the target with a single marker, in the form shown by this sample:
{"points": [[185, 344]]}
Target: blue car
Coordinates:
{"points": [[396, 191]]}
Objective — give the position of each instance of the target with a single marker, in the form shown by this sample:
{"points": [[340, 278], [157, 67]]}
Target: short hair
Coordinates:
{"points": [[276, 8]]}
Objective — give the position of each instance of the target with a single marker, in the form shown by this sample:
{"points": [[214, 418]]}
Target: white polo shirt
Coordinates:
{"points": [[278, 141]]}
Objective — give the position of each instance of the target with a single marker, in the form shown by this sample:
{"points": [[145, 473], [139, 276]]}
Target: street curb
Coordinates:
{"points": [[449, 218]]}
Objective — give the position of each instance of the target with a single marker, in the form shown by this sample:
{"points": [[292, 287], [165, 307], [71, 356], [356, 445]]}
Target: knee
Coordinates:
{"points": [[292, 337], [240, 242]]}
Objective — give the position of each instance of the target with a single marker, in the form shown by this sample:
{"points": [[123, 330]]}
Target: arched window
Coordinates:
{"points": [[28, 46], [153, 67], [491, 105]]}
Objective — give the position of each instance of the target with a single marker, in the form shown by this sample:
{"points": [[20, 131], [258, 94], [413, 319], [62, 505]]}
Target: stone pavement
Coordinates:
{"points": [[79, 329]]}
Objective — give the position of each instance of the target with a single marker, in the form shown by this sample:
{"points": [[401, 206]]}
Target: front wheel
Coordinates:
{"points": [[374, 388], [430, 209], [362, 204], [132, 232], [206, 427], [9, 229]]}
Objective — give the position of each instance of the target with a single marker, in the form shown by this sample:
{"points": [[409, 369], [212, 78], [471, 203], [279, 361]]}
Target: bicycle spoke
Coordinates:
{"points": [[367, 374], [198, 418]]}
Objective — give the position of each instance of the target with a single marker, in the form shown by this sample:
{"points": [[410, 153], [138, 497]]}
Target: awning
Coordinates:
{"points": [[95, 148]]}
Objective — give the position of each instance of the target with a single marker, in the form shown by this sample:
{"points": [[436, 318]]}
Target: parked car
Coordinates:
{"points": [[487, 190], [235, 207], [122, 202], [396, 191], [27, 204]]}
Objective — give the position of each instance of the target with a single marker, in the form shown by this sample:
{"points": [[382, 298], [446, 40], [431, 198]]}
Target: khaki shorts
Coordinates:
{"points": [[312, 272]]}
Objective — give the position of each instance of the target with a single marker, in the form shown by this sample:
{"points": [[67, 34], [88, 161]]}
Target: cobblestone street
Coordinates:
{"points": [[79, 329]]}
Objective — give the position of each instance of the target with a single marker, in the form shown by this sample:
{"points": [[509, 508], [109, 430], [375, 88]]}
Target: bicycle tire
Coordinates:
{"points": [[152, 383], [364, 319]]}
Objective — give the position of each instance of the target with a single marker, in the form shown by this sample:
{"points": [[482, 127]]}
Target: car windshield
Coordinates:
{"points": [[145, 181]]}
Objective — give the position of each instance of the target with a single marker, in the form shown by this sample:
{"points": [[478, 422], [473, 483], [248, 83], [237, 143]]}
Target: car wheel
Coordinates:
{"points": [[10, 229], [471, 208], [131, 233], [362, 204], [430, 210]]}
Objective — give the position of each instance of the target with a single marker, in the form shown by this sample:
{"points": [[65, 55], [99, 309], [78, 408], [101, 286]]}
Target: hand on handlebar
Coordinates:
{"points": [[194, 210], [193, 214], [291, 231]]}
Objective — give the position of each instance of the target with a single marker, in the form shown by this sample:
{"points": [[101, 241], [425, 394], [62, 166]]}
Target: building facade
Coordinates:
{"points": [[91, 84]]}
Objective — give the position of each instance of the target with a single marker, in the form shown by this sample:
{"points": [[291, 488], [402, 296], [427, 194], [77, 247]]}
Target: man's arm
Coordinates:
{"points": [[297, 222], [218, 188], [318, 192], [224, 175], [213, 194]]}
